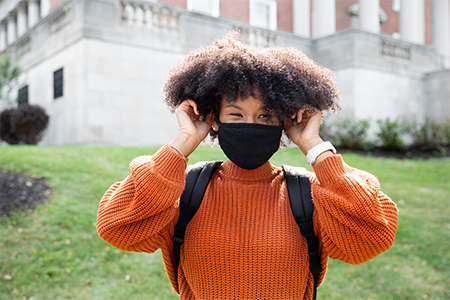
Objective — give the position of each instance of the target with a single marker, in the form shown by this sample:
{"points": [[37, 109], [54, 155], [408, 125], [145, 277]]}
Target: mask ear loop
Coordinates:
{"points": [[217, 119], [214, 128]]}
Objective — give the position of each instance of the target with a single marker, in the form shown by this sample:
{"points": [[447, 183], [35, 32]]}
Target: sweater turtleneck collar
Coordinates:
{"points": [[266, 171]]}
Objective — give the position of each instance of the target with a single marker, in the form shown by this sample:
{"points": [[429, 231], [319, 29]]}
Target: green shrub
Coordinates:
{"points": [[432, 135], [25, 124], [326, 131], [29, 122], [350, 133], [7, 133], [390, 134], [397, 135]]}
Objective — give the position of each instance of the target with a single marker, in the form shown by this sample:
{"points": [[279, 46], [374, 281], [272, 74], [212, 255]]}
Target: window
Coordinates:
{"points": [[58, 81], [206, 7], [263, 13], [23, 95]]}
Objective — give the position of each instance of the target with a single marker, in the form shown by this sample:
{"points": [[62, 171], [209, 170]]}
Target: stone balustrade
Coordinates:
{"points": [[54, 21], [19, 16], [165, 19], [396, 49], [150, 16], [257, 37]]}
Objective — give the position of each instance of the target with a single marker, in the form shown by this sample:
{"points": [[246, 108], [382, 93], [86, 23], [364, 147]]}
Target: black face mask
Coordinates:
{"points": [[249, 145]]}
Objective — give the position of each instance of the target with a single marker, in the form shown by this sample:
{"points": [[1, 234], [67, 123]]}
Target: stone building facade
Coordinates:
{"points": [[98, 66]]}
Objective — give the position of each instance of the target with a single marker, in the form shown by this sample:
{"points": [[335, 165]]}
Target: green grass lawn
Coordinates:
{"points": [[54, 252]]}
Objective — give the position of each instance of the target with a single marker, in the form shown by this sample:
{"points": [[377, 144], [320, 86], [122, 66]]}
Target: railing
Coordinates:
{"points": [[150, 16], [442, 61], [58, 18], [165, 19], [7, 6], [257, 37], [401, 51], [396, 50]]}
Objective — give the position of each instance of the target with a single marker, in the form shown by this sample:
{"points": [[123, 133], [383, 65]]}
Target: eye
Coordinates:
{"points": [[268, 118], [236, 115]]}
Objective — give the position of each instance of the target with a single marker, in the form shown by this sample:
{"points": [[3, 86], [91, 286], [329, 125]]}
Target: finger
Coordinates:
{"points": [[193, 105], [312, 114], [184, 106], [299, 116]]}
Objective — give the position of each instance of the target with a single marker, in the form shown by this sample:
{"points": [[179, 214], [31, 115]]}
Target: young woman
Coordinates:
{"points": [[243, 242]]}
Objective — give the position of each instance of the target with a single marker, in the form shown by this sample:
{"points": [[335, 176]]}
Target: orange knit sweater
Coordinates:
{"points": [[243, 243]]}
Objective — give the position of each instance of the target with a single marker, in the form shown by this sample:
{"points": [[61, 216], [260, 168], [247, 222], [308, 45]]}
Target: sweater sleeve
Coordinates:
{"points": [[137, 213], [357, 221]]}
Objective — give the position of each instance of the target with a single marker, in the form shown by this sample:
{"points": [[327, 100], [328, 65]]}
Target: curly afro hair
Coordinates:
{"points": [[285, 79]]}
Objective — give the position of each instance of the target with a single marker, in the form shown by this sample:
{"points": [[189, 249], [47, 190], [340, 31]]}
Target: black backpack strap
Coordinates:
{"points": [[299, 188], [196, 183]]}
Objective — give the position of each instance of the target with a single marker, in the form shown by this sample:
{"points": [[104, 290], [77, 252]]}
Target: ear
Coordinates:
{"points": [[215, 125]]}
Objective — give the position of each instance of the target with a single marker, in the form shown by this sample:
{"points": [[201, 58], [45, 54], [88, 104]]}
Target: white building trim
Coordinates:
{"points": [[301, 17], [206, 7], [369, 20], [411, 21], [324, 18], [263, 14], [441, 29], [7, 6]]}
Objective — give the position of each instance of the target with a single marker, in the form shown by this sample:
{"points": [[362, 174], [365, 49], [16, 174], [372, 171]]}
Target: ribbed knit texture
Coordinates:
{"points": [[243, 243]]}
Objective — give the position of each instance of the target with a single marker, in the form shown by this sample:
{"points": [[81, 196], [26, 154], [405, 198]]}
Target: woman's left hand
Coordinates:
{"points": [[303, 129]]}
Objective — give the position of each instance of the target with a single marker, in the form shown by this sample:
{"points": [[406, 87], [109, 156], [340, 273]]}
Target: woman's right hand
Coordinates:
{"points": [[192, 130]]}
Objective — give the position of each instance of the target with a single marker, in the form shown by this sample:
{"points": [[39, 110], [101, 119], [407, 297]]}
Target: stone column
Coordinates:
{"points": [[33, 12], [441, 27], [46, 6], [301, 17], [324, 17], [21, 19], [412, 21], [368, 15], [11, 29], [2, 36]]}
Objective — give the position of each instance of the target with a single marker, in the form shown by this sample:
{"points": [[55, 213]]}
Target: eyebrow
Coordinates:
{"points": [[233, 105], [262, 108]]}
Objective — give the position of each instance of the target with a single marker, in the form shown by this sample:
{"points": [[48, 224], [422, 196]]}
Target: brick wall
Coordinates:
{"points": [[428, 25], [238, 10], [55, 3], [342, 17], [178, 3], [284, 15], [391, 25]]}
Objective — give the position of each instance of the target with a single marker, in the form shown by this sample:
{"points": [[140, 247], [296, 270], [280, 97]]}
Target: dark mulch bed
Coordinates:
{"points": [[21, 191]]}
